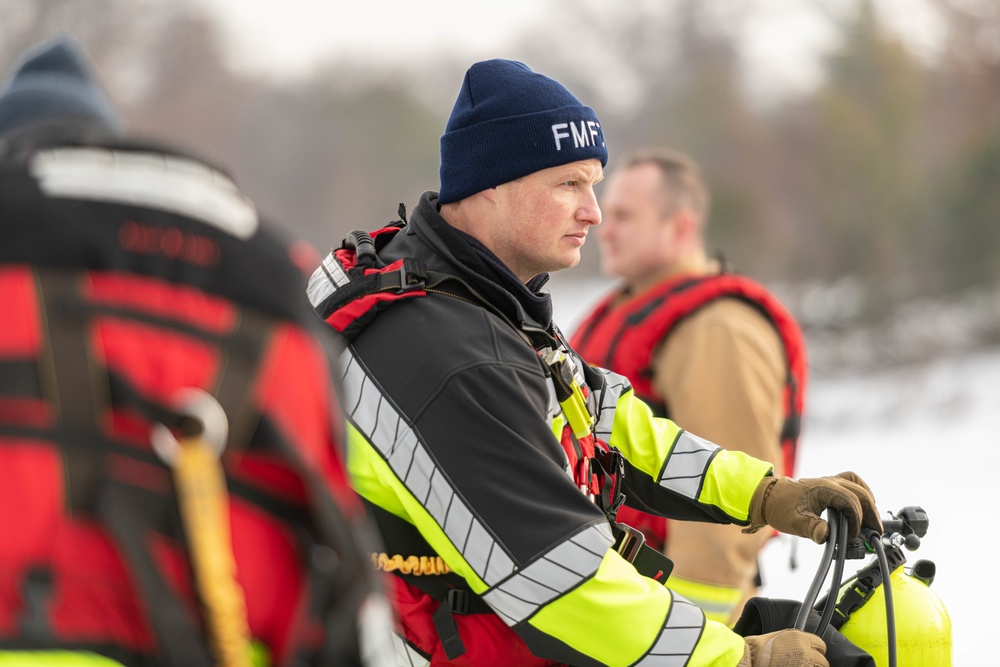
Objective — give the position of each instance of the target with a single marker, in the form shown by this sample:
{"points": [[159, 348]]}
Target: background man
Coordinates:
{"points": [[712, 350], [171, 488], [486, 448]]}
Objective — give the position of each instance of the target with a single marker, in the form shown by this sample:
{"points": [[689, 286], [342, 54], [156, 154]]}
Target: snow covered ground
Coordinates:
{"points": [[926, 435]]}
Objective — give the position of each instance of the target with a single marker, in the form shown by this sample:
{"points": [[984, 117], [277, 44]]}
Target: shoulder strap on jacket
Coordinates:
{"points": [[351, 286]]}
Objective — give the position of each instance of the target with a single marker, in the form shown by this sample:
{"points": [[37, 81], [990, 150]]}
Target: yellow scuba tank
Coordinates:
{"points": [[923, 626]]}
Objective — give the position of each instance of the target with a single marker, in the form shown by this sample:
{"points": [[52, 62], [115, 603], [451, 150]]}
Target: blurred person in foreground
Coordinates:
{"points": [[712, 350], [492, 457], [170, 473]]}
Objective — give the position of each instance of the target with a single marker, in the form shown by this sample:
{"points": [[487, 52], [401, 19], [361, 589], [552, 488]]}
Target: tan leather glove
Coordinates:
{"points": [[784, 648], [794, 506]]}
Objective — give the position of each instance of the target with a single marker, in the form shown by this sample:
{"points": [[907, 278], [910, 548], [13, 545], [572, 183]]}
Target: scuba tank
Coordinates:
{"points": [[897, 620], [923, 627]]}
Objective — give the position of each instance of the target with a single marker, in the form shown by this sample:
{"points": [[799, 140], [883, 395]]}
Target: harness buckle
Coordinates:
{"points": [[411, 275], [460, 601], [629, 542], [609, 464]]}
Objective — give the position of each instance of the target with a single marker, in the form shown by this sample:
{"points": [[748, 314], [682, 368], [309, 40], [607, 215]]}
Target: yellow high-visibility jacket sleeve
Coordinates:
{"points": [[673, 472], [560, 595]]}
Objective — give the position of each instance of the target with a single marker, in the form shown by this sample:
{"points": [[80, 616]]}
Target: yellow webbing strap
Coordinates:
{"points": [[415, 565], [577, 413], [203, 499], [569, 394]]}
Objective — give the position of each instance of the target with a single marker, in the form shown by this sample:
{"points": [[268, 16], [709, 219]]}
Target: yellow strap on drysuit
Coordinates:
{"points": [[203, 499], [577, 414], [575, 406]]}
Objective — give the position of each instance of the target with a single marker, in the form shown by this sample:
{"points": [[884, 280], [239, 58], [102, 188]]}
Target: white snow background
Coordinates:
{"points": [[923, 435]]}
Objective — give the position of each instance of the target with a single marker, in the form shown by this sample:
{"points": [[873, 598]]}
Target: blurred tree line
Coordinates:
{"points": [[873, 194]]}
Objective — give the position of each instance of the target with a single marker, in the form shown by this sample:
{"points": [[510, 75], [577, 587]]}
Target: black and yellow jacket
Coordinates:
{"points": [[454, 432]]}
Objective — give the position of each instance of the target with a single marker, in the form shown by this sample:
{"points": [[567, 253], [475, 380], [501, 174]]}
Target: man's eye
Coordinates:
{"points": [[569, 183]]}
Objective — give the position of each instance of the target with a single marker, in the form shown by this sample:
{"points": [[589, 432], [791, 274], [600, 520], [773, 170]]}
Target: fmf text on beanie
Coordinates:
{"points": [[53, 82], [508, 122]]}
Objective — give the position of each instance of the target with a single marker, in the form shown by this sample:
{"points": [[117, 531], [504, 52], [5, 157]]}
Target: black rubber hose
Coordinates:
{"points": [[890, 610], [838, 571], [821, 572]]}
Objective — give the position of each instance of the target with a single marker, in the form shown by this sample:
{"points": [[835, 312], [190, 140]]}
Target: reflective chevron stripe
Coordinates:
{"points": [[607, 401], [681, 632], [558, 571], [325, 280], [378, 420], [687, 464]]}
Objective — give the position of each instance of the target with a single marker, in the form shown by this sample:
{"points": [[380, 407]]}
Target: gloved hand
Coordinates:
{"points": [[794, 506], [784, 648]]}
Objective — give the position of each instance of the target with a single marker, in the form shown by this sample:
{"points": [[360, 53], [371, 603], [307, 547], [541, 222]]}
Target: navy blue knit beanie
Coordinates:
{"points": [[508, 122], [53, 82]]}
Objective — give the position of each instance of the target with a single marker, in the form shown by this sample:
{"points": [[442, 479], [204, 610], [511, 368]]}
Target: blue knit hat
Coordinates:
{"points": [[508, 122], [53, 82]]}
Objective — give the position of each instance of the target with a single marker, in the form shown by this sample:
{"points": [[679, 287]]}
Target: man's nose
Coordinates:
{"points": [[590, 210]]}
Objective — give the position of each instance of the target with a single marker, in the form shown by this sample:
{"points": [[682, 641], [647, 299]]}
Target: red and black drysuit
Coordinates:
{"points": [[457, 439], [128, 272]]}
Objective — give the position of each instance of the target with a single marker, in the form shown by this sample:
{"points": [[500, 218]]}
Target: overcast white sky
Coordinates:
{"points": [[290, 35], [286, 38]]}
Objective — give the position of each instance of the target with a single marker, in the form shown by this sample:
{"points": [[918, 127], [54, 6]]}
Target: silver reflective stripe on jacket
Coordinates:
{"points": [[378, 420], [687, 464], [606, 401], [557, 572], [680, 635]]}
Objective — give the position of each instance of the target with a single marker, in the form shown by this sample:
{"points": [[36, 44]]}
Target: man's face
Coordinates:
{"points": [[541, 220], [639, 235]]}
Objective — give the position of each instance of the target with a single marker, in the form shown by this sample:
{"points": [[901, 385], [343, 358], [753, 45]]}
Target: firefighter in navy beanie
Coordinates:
{"points": [[509, 121], [488, 451]]}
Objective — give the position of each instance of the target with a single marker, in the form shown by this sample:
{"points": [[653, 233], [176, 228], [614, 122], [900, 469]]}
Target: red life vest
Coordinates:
{"points": [[623, 339]]}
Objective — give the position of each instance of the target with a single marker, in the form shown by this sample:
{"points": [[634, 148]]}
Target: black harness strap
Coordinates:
{"points": [[236, 383], [123, 509], [36, 591], [73, 381], [335, 568], [19, 379]]}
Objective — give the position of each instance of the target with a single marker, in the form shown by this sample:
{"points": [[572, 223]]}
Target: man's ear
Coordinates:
{"points": [[490, 194], [685, 224]]}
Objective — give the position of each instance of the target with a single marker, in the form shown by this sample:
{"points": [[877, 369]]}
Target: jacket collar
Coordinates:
{"points": [[429, 238]]}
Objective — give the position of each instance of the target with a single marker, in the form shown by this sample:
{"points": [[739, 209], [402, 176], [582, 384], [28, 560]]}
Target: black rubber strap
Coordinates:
{"points": [[456, 602], [447, 631], [236, 384], [70, 382], [34, 624], [123, 510]]}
